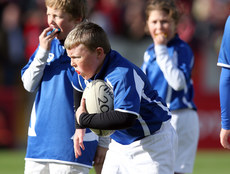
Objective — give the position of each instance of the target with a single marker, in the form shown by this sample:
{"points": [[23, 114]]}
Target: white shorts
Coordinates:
{"points": [[186, 124], [154, 154], [33, 167]]}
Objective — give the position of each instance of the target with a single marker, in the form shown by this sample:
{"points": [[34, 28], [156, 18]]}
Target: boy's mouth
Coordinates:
{"points": [[78, 72], [58, 30], [164, 34]]}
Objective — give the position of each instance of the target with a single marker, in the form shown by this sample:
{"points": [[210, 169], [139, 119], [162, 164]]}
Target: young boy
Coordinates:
{"points": [[224, 89], [144, 140], [168, 63], [52, 124]]}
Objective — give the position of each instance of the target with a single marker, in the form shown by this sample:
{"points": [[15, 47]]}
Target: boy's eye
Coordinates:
{"points": [[54, 16], [59, 16], [76, 57], [164, 21]]}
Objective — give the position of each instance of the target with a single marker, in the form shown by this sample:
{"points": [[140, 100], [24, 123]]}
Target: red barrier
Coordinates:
{"points": [[8, 99]]}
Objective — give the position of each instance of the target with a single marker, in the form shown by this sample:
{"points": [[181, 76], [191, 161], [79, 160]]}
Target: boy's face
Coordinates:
{"points": [[85, 62], [160, 23], [59, 19]]}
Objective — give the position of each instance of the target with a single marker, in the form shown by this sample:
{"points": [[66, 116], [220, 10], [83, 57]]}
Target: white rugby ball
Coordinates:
{"points": [[98, 98]]}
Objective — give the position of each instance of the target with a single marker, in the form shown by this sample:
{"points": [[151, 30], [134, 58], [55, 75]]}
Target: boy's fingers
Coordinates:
{"points": [[77, 148], [45, 31], [83, 102], [78, 143]]}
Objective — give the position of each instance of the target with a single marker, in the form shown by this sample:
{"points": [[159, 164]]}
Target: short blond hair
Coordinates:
{"points": [[89, 34], [76, 8]]}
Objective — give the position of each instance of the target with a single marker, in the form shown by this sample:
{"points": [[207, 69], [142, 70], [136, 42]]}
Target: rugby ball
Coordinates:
{"points": [[98, 99]]}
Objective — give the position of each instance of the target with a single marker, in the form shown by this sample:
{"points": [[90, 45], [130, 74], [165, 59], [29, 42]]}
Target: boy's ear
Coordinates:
{"points": [[100, 52], [78, 20]]}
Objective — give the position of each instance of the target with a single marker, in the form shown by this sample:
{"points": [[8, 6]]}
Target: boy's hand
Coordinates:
{"points": [[160, 39], [45, 40], [78, 141], [79, 133], [81, 109], [225, 138]]}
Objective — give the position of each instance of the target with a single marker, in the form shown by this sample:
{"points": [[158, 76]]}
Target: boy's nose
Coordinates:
{"points": [[72, 63], [158, 25], [51, 21]]}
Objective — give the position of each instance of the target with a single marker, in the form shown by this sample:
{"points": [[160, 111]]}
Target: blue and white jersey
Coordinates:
{"points": [[181, 55], [224, 53], [132, 94], [224, 88], [52, 123]]}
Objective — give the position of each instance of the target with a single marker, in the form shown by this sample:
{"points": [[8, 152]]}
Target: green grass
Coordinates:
{"points": [[212, 162], [12, 161], [207, 162]]}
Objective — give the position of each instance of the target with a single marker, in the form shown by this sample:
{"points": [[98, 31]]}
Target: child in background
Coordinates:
{"points": [[52, 125], [144, 140], [168, 64]]}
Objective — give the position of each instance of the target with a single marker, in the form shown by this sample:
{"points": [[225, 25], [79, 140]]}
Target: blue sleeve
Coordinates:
{"points": [[78, 82], [224, 90], [224, 53]]}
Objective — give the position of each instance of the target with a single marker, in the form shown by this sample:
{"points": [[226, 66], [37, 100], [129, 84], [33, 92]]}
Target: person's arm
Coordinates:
{"points": [[224, 138], [77, 102], [174, 76], [224, 90], [103, 142], [33, 74], [112, 120]]}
